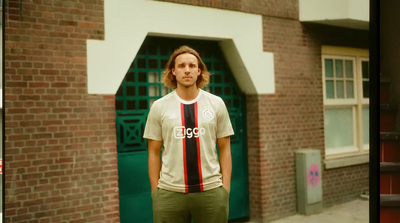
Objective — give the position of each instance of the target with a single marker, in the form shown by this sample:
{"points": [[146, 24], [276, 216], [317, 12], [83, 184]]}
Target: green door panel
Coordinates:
{"points": [[139, 89], [134, 184]]}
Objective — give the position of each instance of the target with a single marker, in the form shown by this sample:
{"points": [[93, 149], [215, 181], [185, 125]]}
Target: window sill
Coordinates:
{"points": [[346, 161]]}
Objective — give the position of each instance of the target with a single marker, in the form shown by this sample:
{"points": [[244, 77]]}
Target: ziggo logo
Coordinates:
{"points": [[181, 132]]}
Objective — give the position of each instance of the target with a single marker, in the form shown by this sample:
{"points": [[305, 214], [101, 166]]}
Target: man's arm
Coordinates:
{"points": [[225, 161], [154, 162]]}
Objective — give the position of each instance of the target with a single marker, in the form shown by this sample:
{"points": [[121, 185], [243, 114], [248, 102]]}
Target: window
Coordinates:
{"points": [[346, 101]]}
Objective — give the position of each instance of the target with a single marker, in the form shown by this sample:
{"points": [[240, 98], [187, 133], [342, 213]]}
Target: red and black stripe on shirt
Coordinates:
{"points": [[191, 149]]}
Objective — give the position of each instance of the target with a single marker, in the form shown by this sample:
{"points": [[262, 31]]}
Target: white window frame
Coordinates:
{"points": [[364, 101], [357, 103], [344, 101]]}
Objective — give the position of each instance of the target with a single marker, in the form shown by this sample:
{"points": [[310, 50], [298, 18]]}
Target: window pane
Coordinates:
{"points": [[217, 90], [328, 68], [349, 68], [141, 63], [143, 104], [365, 69], [329, 89], [164, 91], [227, 90], [153, 77], [130, 91], [130, 77], [365, 75], [217, 66], [153, 63], [142, 77], [365, 89], [142, 91], [339, 127], [339, 68], [119, 105], [163, 62], [153, 91], [365, 114], [131, 105], [217, 78], [349, 89], [339, 89]]}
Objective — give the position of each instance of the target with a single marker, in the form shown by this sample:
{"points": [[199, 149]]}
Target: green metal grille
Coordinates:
{"points": [[139, 89]]}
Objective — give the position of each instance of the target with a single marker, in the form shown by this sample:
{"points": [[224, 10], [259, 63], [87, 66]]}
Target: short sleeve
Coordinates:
{"points": [[224, 125], [153, 128]]}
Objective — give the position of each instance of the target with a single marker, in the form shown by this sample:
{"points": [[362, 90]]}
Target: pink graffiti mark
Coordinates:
{"points": [[313, 175]]}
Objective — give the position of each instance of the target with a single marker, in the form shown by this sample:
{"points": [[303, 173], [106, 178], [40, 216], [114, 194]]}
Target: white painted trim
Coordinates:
{"points": [[344, 51], [339, 102], [341, 150], [345, 13], [346, 161], [334, 9], [128, 22]]}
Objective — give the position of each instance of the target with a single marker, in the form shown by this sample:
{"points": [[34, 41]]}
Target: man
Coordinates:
{"points": [[191, 182]]}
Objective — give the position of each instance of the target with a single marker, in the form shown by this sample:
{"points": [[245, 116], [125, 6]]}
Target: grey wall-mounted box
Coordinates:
{"points": [[308, 181]]}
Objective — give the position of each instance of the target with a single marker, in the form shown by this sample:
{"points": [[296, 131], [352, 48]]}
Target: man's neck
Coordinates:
{"points": [[187, 94]]}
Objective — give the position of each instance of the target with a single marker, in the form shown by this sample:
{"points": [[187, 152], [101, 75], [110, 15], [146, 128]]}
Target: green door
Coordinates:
{"points": [[140, 87]]}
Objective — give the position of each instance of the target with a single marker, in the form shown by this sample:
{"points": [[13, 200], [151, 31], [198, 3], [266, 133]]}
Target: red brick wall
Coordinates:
{"points": [[60, 156], [254, 158], [345, 184], [292, 118]]}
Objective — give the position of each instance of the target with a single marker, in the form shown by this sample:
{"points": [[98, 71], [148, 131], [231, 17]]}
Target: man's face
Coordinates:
{"points": [[186, 70]]}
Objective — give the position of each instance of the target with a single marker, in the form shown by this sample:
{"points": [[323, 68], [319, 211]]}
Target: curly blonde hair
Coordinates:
{"points": [[169, 79]]}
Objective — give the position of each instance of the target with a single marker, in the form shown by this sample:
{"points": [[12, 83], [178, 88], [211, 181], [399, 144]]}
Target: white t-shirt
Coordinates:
{"points": [[189, 132]]}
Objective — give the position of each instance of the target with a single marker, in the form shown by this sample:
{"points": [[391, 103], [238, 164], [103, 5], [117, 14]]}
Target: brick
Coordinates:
{"points": [[18, 110], [39, 84], [17, 137], [29, 97]]}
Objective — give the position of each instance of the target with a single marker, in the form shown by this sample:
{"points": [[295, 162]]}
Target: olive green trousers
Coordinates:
{"points": [[210, 206]]}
